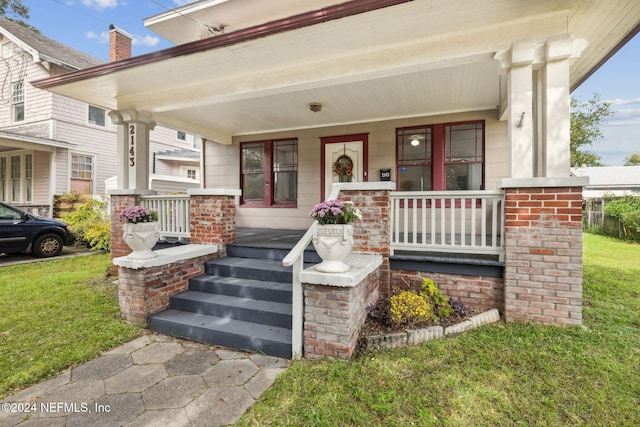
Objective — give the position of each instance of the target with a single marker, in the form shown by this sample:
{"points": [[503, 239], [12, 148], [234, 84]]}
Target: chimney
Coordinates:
{"points": [[119, 44]]}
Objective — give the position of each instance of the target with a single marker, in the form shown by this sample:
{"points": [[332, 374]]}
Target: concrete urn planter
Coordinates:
{"points": [[141, 238], [333, 243]]}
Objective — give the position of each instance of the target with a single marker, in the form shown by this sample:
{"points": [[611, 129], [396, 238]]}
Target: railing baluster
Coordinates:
{"points": [[433, 221], [483, 212], [463, 219], [423, 222]]}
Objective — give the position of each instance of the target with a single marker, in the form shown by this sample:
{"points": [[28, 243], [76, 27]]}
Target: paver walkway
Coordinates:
{"points": [[153, 380]]}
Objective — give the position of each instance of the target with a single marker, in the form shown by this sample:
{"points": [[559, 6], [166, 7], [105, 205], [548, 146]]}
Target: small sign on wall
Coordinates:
{"points": [[385, 174]]}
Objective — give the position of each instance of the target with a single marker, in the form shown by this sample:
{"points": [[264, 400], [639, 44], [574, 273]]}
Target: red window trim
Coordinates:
{"points": [[268, 201], [438, 154]]}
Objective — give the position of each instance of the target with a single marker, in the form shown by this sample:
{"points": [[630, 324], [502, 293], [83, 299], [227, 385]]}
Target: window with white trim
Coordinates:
{"points": [[96, 116], [6, 51], [181, 136], [190, 172], [82, 173], [16, 177], [81, 166], [17, 101]]}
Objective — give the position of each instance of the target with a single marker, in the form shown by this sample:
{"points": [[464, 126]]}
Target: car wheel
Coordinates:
{"points": [[47, 245]]}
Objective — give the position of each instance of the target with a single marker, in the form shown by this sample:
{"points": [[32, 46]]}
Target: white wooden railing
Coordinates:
{"points": [[448, 221], [173, 214], [295, 258]]}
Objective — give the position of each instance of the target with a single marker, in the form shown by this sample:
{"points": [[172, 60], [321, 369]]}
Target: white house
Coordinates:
{"points": [[449, 119], [610, 180], [52, 144]]}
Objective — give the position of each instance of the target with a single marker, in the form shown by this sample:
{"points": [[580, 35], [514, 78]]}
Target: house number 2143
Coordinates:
{"points": [[132, 145]]}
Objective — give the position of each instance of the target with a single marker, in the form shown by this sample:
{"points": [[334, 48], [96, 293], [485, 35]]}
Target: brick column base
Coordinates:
{"points": [[213, 216], [334, 315], [120, 202], [372, 233], [543, 246]]}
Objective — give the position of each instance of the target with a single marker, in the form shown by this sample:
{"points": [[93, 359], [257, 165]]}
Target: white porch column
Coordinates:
{"points": [[133, 149], [538, 105], [520, 117], [556, 109]]}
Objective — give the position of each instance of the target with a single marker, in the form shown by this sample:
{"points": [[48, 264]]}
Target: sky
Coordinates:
{"points": [[84, 25]]}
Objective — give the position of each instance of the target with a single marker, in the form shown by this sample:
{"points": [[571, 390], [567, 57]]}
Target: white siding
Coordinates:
{"points": [[41, 178]]}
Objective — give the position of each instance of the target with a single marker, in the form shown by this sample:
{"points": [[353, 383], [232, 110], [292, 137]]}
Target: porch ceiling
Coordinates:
{"points": [[412, 59]]}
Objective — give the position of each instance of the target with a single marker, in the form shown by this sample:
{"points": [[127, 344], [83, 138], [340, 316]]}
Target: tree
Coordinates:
{"points": [[15, 11], [632, 160], [586, 119]]}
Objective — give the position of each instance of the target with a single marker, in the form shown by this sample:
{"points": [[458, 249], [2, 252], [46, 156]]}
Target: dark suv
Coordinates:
{"points": [[20, 230]]}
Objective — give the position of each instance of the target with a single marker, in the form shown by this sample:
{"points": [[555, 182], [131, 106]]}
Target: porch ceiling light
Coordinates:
{"points": [[315, 107]]}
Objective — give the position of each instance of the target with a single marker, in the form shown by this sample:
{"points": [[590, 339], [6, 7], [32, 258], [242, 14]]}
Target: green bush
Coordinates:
{"points": [[435, 298], [627, 210], [90, 222]]}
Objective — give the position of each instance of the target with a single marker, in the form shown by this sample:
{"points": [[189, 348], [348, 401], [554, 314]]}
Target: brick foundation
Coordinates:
{"points": [[334, 315], [475, 292], [543, 245]]}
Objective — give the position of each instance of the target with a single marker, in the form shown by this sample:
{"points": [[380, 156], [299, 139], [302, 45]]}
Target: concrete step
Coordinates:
{"points": [[238, 287], [236, 334], [274, 253], [250, 268], [232, 307]]}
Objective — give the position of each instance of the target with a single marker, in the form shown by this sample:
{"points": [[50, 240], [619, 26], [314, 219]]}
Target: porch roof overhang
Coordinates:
{"points": [[363, 60], [15, 141]]}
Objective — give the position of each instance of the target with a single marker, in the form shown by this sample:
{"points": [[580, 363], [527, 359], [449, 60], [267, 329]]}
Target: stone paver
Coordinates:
{"points": [[137, 378], [174, 392], [102, 367], [154, 380], [158, 352], [192, 362], [230, 372]]}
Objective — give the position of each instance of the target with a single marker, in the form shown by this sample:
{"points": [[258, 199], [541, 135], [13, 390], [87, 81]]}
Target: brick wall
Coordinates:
{"points": [[145, 291], [543, 243], [475, 292], [334, 315], [213, 219], [371, 234]]}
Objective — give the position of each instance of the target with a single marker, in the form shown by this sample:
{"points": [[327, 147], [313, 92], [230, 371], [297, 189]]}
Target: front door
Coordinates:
{"points": [[344, 159]]}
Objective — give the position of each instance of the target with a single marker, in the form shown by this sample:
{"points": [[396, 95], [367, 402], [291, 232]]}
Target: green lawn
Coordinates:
{"points": [[56, 314], [497, 375]]}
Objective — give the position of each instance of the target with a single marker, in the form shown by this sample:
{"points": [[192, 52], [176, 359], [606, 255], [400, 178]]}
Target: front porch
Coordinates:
{"points": [[538, 230]]}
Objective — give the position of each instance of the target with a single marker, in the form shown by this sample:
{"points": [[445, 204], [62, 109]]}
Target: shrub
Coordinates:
{"points": [[627, 210], [407, 308], [90, 222], [439, 303]]}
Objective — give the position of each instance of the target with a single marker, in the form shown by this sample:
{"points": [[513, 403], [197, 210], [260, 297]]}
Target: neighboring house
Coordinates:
{"points": [[463, 107], [52, 144], [609, 181]]}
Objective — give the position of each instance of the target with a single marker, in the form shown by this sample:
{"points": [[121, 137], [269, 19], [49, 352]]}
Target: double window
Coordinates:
{"points": [[16, 178], [269, 173], [441, 157]]}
